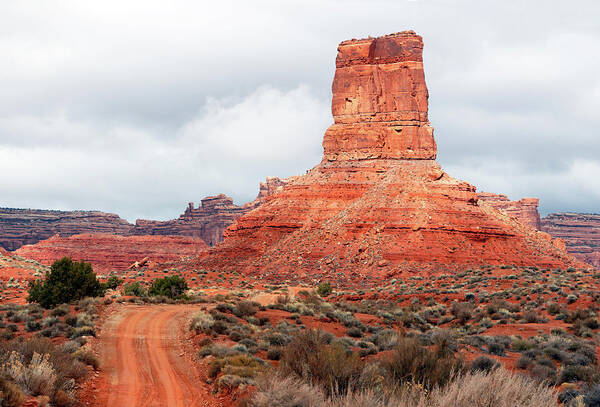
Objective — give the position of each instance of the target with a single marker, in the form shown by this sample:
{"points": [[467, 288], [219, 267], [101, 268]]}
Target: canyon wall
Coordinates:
{"points": [[19, 227], [211, 217], [579, 231], [378, 204], [108, 252]]}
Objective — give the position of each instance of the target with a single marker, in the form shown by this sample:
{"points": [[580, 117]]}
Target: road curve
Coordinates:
{"points": [[143, 363]]}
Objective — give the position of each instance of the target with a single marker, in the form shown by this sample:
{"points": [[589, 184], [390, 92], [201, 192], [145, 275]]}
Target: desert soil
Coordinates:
{"points": [[145, 362]]}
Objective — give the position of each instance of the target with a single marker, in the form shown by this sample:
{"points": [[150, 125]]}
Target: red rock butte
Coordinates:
{"points": [[378, 204]]}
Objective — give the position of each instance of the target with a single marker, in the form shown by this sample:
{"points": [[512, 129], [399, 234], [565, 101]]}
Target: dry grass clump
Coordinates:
{"points": [[409, 361], [10, 393], [36, 377], [499, 388], [202, 322], [282, 391], [38, 367], [330, 367]]}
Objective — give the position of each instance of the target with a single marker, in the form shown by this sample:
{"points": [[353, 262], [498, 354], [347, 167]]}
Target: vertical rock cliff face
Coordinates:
{"points": [[113, 253], [524, 210], [27, 226], [211, 218], [579, 231], [207, 221], [378, 203]]}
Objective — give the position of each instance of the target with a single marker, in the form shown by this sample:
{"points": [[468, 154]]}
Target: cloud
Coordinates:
{"points": [[138, 107], [228, 147]]}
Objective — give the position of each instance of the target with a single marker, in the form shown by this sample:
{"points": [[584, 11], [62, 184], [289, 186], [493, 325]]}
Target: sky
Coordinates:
{"points": [[139, 107]]}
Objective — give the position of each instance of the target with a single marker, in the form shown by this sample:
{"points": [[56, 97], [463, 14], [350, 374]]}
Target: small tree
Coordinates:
{"points": [[134, 289], [171, 287], [324, 289], [113, 282], [65, 282]]}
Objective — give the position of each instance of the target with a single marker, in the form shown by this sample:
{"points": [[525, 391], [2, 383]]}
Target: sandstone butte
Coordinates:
{"points": [[111, 252], [378, 203]]}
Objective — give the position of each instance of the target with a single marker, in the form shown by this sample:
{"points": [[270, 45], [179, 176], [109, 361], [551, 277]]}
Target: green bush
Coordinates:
{"points": [[136, 289], [171, 287], [112, 283], [65, 282], [324, 289]]}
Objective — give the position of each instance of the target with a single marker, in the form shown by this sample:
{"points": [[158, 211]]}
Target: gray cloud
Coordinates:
{"points": [[139, 107]]}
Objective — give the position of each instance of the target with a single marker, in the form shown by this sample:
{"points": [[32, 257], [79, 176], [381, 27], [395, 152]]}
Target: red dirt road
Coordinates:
{"points": [[143, 360]]}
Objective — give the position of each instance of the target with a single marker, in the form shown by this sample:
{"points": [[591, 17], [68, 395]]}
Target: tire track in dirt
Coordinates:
{"points": [[143, 361]]}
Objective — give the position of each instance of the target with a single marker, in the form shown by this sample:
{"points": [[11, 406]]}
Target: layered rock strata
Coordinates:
{"points": [[579, 231], [211, 217], [524, 210], [113, 253], [27, 226], [378, 203], [19, 227]]}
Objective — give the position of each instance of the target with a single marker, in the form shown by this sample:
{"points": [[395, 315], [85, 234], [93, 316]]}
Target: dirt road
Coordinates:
{"points": [[143, 361]]}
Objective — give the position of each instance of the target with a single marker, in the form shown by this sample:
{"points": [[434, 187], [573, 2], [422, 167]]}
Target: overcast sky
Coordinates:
{"points": [[140, 107]]}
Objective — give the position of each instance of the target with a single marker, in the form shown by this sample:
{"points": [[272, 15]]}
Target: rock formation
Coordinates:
{"points": [[211, 218], [19, 227], [207, 221], [580, 232], [113, 253], [27, 226], [377, 204], [524, 210]]}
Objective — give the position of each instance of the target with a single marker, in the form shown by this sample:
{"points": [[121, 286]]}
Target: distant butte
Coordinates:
{"points": [[378, 204]]}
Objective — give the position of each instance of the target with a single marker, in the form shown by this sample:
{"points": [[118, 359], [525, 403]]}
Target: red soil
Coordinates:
{"points": [[144, 361]]}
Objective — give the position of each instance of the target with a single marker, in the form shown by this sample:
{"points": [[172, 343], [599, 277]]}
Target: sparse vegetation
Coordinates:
{"points": [[65, 282]]}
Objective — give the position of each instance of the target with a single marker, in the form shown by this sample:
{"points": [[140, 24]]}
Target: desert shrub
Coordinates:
{"points": [[330, 367], [543, 373], [385, 339], [36, 377], [33, 325], [172, 287], [135, 289], [523, 362], [411, 362], [463, 311], [496, 348], [553, 308], [202, 322], [281, 391], [245, 308], [591, 397], [573, 373], [65, 282], [10, 393], [520, 345], [87, 357], [274, 353], [324, 289], [112, 283], [483, 364], [354, 332]]}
